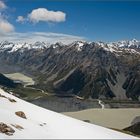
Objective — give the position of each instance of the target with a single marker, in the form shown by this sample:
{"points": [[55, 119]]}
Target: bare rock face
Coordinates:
{"points": [[17, 126], [4, 128], [10, 99], [21, 114], [135, 120], [135, 129], [89, 70], [88, 121]]}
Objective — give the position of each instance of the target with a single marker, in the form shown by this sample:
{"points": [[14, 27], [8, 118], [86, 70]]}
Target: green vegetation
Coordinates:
{"points": [[28, 93]]}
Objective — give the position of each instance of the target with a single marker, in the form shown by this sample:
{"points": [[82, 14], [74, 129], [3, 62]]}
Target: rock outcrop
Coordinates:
{"points": [[135, 129], [4, 128], [21, 114]]}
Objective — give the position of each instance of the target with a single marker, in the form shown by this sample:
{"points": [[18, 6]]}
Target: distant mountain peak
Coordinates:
{"points": [[12, 47], [126, 44], [134, 40]]}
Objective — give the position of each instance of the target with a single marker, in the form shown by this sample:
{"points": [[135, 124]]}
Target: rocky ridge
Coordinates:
{"points": [[87, 69]]}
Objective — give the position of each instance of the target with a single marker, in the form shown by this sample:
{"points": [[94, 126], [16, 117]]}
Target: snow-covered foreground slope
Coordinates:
{"points": [[45, 124]]}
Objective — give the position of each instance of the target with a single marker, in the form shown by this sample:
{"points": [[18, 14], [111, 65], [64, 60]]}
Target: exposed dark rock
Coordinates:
{"points": [[135, 120], [42, 124], [4, 128], [88, 121], [10, 99], [21, 114], [17, 126], [135, 129]]}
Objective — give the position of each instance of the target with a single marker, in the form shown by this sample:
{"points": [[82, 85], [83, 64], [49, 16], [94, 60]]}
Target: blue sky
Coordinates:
{"points": [[90, 20]]}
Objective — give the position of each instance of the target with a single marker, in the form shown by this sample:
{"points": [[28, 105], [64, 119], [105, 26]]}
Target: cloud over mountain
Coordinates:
{"points": [[32, 37]]}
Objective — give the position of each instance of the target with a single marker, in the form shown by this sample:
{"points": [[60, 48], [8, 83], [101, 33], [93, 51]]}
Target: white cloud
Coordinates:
{"points": [[32, 37], [20, 19], [2, 5], [42, 14], [5, 26]]}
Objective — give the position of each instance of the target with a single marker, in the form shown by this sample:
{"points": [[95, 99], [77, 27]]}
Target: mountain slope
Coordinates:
{"points": [[6, 82], [44, 124], [87, 69]]}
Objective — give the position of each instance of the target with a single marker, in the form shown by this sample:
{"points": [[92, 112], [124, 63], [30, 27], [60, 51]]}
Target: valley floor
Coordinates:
{"points": [[111, 118], [20, 77]]}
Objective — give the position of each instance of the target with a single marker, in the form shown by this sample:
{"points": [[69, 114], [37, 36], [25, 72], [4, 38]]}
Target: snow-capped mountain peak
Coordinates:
{"points": [[78, 45], [13, 47], [112, 47], [39, 45], [127, 44]]}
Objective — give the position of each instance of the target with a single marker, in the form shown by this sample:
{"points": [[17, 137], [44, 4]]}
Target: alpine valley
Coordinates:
{"points": [[85, 70]]}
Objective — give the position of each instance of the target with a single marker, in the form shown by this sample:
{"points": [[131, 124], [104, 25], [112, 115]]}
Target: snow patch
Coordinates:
{"points": [[79, 46], [45, 124]]}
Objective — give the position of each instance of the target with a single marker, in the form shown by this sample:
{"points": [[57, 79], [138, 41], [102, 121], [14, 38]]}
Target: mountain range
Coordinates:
{"points": [[87, 69]]}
